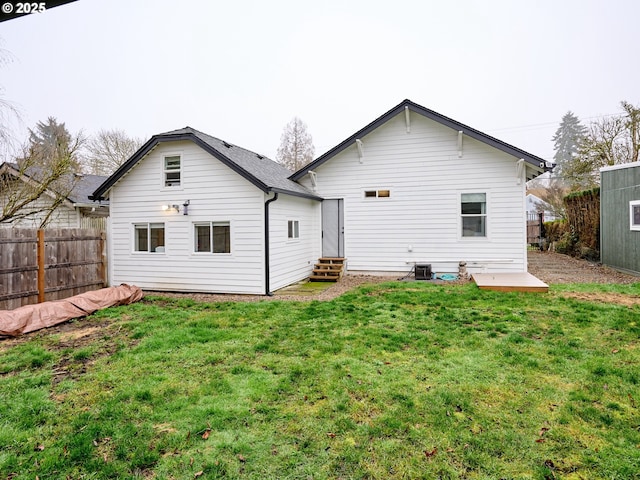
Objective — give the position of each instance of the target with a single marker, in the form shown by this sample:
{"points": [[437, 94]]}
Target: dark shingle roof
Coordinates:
{"points": [[263, 172]]}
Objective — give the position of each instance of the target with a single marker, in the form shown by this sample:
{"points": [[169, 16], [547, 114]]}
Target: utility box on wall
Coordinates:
{"points": [[423, 271]]}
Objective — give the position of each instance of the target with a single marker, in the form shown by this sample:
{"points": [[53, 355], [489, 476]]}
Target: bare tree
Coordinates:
{"points": [[8, 115], [109, 149], [42, 177], [609, 141], [296, 145], [553, 195]]}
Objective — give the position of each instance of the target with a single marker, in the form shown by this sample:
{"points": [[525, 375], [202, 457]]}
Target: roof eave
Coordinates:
{"points": [[98, 194], [533, 160]]}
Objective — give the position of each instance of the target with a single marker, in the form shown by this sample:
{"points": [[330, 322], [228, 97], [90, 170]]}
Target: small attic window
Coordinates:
{"points": [[172, 171]]}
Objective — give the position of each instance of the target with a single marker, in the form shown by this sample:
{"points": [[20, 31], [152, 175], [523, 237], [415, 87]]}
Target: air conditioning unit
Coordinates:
{"points": [[423, 271]]}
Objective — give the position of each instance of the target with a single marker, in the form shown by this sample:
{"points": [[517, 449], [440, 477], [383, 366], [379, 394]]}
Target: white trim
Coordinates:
{"points": [[211, 223], [487, 216], [163, 185], [632, 225], [296, 223], [620, 167], [407, 118], [360, 147], [134, 238]]}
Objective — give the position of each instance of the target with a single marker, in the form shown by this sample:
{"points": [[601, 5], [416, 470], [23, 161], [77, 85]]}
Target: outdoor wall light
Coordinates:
{"points": [[173, 206]]}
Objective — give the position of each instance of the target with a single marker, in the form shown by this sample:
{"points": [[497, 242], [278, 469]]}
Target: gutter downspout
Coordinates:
{"points": [[266, 245]]}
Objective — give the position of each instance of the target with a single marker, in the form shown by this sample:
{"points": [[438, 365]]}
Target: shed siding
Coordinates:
{"points": [[216, 194], [619, 245], [292, 260], [420, 221]]}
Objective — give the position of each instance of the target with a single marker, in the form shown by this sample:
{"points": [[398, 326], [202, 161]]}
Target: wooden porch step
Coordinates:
{"points": [[328, 269]]}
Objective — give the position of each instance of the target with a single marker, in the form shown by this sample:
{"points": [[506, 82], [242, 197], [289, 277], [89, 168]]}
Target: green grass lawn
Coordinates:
{"points": [[398, 380]]}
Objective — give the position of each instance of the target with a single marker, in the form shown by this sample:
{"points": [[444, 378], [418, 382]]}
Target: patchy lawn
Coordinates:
{"points": [[398, 380]]}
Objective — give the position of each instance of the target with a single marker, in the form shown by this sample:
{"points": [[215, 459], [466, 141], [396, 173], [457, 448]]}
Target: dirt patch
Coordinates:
{"points": [[551, 267], [614, 298]]}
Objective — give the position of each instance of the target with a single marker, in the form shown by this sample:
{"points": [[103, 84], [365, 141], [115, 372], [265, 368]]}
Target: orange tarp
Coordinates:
{"points": [[42, 315]]}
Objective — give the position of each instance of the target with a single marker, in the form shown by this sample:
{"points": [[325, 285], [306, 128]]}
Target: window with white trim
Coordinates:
{"points": [[634, 215], [172, 170], [212, 237], [148, 237], [377, 193], [293, 229], [473, 213]]}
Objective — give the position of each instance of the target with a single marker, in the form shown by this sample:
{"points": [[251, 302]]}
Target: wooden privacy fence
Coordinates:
{"points": [[40, 265], [535, 227]]}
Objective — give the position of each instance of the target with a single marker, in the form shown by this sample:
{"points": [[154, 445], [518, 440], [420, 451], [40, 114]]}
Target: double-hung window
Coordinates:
{"points": [[149, 237], [172, 171], [212, 237], [473, 211], [634, 215], [293, 229]]}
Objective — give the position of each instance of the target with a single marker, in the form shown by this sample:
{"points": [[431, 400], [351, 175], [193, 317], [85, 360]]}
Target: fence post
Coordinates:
{"points": [[541, 233], [41, 259]]}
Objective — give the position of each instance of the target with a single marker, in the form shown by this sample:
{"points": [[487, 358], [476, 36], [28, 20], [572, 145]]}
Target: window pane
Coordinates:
{"points": [[157, 237], [290, 229], [296, 229], [473, 203], [203, 238], [141, 238], [370, 193], [172, 163], [636, 215], [171, 179], [474, 226], [384, 193], [221, 238]]}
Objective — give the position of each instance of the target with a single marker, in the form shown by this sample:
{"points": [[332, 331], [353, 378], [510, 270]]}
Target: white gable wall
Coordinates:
{"points": [[216, 194], [420, 221], [293, 259]]}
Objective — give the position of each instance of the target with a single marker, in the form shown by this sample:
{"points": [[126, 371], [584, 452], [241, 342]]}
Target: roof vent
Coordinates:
{"points": [[259, 156], [228, 145]]}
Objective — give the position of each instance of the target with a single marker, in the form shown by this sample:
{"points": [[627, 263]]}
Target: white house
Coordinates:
{"points": [[190, 212], [536, 205]]}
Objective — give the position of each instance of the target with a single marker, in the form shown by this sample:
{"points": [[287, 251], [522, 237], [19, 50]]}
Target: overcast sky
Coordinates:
{"points": [[240, 70]]}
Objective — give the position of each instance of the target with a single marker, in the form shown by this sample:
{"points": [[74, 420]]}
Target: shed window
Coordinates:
{"points": [[172, 171], [473, 211], [212, 237], [149, 237], [634, 215]]}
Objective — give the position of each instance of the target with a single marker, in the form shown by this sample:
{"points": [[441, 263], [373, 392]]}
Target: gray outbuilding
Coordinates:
{"points": [[620, 217]]}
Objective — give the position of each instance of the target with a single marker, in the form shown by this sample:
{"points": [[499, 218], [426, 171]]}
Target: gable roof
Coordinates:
{"points": [[537, 162], [83, 185], [261, 171]]}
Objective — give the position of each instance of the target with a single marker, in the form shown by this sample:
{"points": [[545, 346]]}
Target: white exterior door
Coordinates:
{"points": [[333, 228]]}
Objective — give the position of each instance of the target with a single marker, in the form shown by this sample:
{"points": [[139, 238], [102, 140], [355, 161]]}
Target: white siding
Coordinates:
{"points": [[420, 221], [292, 260], [62, 217], [216, 194]]}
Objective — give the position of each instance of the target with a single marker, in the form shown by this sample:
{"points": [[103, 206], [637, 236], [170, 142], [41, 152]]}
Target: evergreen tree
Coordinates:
{"points": [[567, 141], [296, 145]]}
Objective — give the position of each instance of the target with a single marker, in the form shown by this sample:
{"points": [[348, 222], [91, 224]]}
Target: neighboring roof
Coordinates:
{"points": [[263, 172], [84, 188], [84, 185], [535, 161]]}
